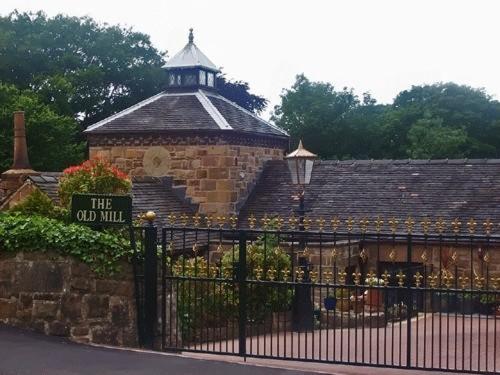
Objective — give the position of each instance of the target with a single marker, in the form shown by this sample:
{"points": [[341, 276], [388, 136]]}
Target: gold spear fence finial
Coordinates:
{"points": [[425, 224], [233, 220], [335, 223], [471, 225], [279, 223], [488, 226], [349, 224], [379, 224], [393, 224], [418, 279], [440, 225], [321, 224], [456, 225], [363, 224], [409, 223], [251, 221]]}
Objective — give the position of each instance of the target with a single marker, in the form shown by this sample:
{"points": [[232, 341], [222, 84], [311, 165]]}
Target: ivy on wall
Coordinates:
{"points": [[102, 251]]}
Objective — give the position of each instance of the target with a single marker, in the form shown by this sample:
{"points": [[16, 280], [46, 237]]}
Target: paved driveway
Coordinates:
{"points": [[26, 353]]}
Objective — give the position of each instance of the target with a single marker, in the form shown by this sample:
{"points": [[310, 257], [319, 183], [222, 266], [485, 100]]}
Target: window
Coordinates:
{"points": [[171, 80], [179, 82], [210, 79], [203, 77], [190, 80]]}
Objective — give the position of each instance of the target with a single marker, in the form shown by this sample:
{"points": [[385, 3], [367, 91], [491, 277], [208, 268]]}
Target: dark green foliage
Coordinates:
{"points": [[52, 138], [83, 69], [333, 124], [239, 93], [38, 203], [101, 251], [70, 72], [264, 254], [88, 70], [201, 303], [443, 120]]}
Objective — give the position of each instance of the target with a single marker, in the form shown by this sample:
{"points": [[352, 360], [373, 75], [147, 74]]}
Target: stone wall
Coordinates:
{"points": [[61, 296], [217, 177]]}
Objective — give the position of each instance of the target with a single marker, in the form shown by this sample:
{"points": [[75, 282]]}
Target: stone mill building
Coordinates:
{"points": [[212, 149]]}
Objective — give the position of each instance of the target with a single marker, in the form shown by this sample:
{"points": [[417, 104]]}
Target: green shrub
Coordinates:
{"points": [[263, 255], [201, 302], [342, 292], [39, 203], [100, 250], [93, 176]]}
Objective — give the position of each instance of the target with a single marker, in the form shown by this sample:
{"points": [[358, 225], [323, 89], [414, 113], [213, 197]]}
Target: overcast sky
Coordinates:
{"points": [[374, 45]]}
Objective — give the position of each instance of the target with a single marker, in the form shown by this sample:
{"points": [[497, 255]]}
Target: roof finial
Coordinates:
{"points": [[191, 37]]}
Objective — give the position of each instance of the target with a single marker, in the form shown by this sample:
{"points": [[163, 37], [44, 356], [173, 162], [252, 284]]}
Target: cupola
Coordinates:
{"points": [[190, 69]]}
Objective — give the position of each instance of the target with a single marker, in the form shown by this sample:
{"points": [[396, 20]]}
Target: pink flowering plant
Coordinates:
{"points": [[92, 176]]}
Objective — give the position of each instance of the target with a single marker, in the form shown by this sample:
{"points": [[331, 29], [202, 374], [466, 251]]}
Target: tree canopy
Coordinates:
{"points": [[77, 66], [52, 138], [442, 120], [79, 71]]}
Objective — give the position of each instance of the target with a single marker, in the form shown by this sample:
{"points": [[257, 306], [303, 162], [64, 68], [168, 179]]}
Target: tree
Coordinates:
{"points": [[79, 67], [89, 70], [443, 120], [468, 110], [327, 119], [429, 139], [52, 143], [239, 93]]}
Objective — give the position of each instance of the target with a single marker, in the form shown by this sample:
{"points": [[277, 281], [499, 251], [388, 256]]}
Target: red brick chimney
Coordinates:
{"points": [[21, 169]]}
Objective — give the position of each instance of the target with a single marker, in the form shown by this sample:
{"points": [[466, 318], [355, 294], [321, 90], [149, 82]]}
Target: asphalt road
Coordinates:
{"points": [[27, 353]]}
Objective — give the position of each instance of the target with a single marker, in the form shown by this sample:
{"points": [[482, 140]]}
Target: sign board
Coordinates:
{"points": [[100, 209]]}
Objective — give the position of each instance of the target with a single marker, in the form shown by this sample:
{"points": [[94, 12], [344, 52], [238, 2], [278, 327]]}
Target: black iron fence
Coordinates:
{"points": [[426, 300]]}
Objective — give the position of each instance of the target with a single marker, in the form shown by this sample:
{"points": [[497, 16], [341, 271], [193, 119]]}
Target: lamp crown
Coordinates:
{"points": [[301, 152]]}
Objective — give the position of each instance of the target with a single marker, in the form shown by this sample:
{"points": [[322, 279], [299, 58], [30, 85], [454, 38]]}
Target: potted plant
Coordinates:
{"points": [[467, 303], [330, 302], [444, 302], [374, 295], [488, 304], [317, 313], [342, 295], [357, 303]]}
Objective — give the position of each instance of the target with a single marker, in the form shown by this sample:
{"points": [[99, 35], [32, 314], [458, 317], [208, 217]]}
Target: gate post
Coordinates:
{"points": [[242, 288], [150, 281], [409, 300]]}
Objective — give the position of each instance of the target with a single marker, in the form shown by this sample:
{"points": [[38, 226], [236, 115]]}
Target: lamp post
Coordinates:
{"points": [[300, 164]]}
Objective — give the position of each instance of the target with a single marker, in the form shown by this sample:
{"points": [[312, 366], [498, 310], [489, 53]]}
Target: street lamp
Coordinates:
{"points": [[300, 164]]}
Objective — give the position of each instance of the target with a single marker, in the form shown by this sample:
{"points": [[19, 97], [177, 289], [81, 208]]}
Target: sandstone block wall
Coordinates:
{"points": [[61, 296], [217, 177]]}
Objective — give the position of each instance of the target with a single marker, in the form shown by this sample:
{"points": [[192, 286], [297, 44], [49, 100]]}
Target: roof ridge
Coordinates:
{"points": [[411, 161], [124, 112], [216, 95], [212, 111]]}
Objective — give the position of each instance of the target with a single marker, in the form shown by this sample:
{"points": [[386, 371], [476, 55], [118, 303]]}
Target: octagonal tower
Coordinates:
{"points": [[210, 147]]}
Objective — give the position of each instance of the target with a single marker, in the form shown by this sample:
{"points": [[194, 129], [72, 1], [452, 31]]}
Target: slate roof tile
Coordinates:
{"points": [[196, 110], [447, 188]]}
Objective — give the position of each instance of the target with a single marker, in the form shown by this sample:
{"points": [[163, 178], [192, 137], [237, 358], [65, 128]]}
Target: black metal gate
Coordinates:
{"points": [[425, 299]]}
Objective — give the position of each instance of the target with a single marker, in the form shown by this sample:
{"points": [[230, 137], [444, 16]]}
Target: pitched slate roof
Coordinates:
{"points": [[156, 194], [419, 188], [47, 182], [196, 110]]}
